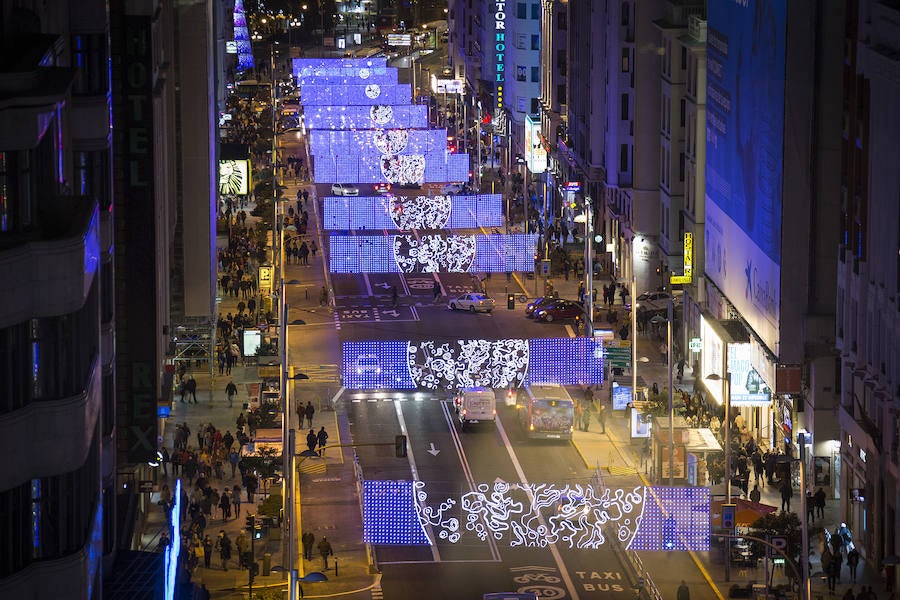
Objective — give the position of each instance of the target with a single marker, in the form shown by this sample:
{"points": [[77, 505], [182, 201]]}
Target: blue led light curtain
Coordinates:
{"points": [[412, 212], [381, 116], [352, 76], [376, 142], [539, 514], [355, 94], [432, 253], [402, 168], [325, 66], [453, 364]]}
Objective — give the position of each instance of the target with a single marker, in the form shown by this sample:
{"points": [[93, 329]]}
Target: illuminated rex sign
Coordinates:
{"points": [[500, 48], [536, 515]]}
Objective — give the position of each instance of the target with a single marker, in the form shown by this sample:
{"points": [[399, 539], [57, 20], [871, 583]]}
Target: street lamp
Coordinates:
{"points": [[727, 383], [587, 217]]}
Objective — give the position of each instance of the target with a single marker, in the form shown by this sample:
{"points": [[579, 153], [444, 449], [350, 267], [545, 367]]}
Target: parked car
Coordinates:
{"points": [[344, 189], [657, 300], [558, 310], [537, 303], [452, 189], [472, 303]]}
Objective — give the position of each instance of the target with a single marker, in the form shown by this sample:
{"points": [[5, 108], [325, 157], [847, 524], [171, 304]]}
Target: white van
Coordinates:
{"points": [[475, 404]]}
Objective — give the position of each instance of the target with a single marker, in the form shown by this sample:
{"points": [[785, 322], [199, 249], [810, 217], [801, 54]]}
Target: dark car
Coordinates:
{"points": [[537, 303], [558, 310]]}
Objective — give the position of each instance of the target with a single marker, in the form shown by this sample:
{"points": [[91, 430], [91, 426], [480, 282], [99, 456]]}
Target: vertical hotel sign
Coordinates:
{"points": [[135, 254], [500, 50], [688, 261]]}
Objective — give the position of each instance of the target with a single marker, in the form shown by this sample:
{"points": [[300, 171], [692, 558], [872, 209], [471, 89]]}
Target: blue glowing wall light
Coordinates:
{"points": [[440, 167], [325, 143], [361, 94], [573, 514], [368, 212], [433, 253], [675, 519], [381, 116], [389, 514], [407, 365], [173, 552]]}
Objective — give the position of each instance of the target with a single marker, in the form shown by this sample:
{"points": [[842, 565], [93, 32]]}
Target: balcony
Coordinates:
{"points": [[49, 270]]}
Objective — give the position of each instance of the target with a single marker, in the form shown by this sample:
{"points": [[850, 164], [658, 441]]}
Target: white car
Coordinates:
{"points": [[472, 303], [657, 300], [344, 189], [452, 189]]}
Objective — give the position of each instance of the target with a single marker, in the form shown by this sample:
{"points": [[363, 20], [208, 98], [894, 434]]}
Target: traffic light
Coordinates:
{"points": [[251, 522], [400, 446]]}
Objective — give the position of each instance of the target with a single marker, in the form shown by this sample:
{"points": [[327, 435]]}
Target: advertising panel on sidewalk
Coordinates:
{"points": [[535, 154]]}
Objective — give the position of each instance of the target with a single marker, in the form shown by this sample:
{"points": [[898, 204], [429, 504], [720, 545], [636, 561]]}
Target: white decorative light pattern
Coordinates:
{"points": [[468, 363], [535, 515], [403, 169], [420, 212], [381, 114], [391, 141], [539, 514], [373, 90], [434, 253]]}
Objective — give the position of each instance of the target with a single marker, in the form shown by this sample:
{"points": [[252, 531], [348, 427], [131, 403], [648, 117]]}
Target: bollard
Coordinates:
{"points": [[267, 564], [335, 566]]}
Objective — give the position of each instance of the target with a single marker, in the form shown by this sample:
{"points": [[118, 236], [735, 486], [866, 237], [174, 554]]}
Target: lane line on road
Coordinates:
{"points": [[368, 284], [398, 406], [467, 470], [573, 592]]}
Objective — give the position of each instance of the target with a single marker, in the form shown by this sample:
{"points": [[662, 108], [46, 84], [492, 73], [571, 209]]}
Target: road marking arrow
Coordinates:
{"points": [[391, 313], [384, 285], [432, 450]]}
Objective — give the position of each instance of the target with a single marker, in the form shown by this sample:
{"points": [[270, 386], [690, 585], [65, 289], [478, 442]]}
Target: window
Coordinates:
{"points": [[681, 167], [561, 93], [535, 42], [535, 74], [624, 107], [683, 110], [521, 73], [683, 58], [521, 104], [563, 21], [626, 13], [626, 59], [89, 56], [521, 10], [521, 41], [623, 158], [561, 63]]}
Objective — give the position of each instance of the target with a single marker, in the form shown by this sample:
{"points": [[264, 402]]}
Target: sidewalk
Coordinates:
{"points": [[329, 504]]}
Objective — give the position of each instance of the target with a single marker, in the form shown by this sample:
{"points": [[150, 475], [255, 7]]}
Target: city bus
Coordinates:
{"points": [[546, 411]]}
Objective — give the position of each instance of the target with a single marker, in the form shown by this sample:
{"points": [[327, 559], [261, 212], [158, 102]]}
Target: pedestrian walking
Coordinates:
{"points": [[308, 540], [394, 296], [311, 440], [225, 505], [322, 439], [313, 248], [755, 494], [207, 549], [787, 492], [853, 563], [242, 544], [684, 593], [435, 291], [223, 545], [230, 392], [819, 500], [325, 550], [190, 388], [601, 417], [309, 411]]}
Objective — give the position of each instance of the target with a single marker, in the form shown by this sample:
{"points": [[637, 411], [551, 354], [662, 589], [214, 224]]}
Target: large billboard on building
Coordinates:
{"points": [[744, 149], [535, 154]]}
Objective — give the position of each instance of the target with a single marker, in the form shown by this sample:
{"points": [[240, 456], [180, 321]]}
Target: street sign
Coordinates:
{"points": [[618, 356], [695, 345], [545, 268], [728, 515], [399, 39], [573, 186]]}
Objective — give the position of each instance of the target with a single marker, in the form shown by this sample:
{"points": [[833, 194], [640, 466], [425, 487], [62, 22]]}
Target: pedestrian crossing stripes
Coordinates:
{"points": [[620, 470], [377, 593], [390, 396], [317, 373], [312, 466]]}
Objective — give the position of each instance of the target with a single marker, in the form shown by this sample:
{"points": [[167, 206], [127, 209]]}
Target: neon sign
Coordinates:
{"points": [[500, 47]]}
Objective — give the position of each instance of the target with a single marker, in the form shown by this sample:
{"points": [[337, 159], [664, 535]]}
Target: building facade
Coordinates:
{"points": [[867, 326]]}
